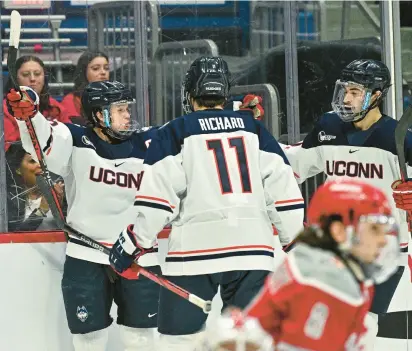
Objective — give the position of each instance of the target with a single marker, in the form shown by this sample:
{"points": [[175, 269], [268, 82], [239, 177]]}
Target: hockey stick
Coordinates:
{"points": [[14, 40], [400, 135], [15, 29], [43, 185]]}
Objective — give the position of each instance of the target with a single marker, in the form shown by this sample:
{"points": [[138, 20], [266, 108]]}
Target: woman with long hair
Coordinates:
{"points": [[31, 72], [91, 67], [28, 209]]}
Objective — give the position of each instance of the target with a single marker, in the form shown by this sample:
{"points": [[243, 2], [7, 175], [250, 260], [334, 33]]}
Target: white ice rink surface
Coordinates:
{"points": [[32, 314]]}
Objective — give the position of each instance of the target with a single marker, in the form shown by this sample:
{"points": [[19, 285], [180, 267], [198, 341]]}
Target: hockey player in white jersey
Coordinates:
{"points": [[356, 140], [222, 180], [102, 168]]}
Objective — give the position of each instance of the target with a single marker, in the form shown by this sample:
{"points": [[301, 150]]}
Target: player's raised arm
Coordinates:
{"points": [[283, 196], [54, 137]]}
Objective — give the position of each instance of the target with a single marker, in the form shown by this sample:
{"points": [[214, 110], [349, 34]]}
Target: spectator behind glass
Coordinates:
{"points": [[27, 208], [91, 67], [31, 73]]}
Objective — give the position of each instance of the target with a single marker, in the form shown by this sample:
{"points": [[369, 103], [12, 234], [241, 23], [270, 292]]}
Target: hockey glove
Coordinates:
{"points": [[402, 194], [253, 103], [22, 104], [125, 251]]}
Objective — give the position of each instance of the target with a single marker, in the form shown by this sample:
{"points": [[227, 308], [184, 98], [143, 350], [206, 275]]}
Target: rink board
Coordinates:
{"points": [[32, 312]]}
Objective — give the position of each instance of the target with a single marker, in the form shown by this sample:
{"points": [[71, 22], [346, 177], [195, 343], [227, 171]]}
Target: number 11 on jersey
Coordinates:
{"points": [[237, 144]]}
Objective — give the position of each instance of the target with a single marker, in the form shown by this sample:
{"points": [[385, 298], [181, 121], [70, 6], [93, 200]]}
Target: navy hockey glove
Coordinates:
{"points": [[125, 251]]}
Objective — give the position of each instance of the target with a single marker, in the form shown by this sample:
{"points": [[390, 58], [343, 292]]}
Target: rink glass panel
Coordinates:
{"points": [[151, 44]]}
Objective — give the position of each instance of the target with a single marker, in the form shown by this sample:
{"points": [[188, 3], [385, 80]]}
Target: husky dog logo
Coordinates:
{"points": [[82, 313], [86, 141]]}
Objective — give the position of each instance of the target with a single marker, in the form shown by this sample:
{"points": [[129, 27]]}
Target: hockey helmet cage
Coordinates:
{"points": [[352, 97]]}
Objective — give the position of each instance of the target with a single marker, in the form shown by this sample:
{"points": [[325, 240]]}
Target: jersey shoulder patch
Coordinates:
{"points": [[328, 130], [80, 136]]}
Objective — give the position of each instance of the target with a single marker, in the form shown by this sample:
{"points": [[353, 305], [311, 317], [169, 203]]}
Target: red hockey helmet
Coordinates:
{"points": [[348, 198], [357, 202]]}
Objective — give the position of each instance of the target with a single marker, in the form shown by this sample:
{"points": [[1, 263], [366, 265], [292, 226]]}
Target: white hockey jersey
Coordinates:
{"points": [[340, 150], [222, 180], [100, 180]]}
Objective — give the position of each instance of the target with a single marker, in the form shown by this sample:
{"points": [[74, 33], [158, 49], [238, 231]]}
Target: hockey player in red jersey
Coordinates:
{"points": [[318, 297]]}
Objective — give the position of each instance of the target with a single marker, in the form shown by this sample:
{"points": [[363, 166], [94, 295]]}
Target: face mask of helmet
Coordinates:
{"points": [[351, 101], [118, 121], [378, 257], [354, 92]]}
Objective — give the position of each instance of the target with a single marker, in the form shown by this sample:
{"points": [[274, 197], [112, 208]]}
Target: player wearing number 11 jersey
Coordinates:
{"points": [[222, 180]]}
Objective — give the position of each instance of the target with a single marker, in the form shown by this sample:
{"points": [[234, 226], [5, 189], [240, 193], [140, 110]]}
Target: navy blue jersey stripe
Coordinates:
{"points": [[49, 141], [153, 205], [290, 207], [219, 255]]}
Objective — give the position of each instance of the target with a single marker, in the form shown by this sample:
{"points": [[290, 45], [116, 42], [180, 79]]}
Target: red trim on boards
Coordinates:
{"points": [[47, 237], [32, 237]]}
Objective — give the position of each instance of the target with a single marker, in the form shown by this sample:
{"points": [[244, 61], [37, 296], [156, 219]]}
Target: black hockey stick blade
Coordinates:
{"points": [[400, 135], [15, 29]]}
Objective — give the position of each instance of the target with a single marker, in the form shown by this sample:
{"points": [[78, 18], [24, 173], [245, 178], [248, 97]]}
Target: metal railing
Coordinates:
{"points": [[36, 18], [54, 22], [364, 8], [170, 63], [267, 23], [112, 29], [50, 63]]}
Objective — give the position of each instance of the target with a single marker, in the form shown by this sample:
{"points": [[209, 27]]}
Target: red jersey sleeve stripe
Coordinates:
{"points": [[288, 201]]}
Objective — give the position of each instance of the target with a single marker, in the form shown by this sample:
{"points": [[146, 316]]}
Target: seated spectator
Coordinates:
{"points": [[91, 67], [31, 73], [27, 208]]}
